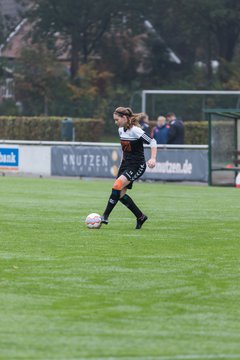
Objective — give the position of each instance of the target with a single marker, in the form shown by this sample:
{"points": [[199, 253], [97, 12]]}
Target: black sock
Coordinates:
{"points": [[114, 197], [130, 204]]}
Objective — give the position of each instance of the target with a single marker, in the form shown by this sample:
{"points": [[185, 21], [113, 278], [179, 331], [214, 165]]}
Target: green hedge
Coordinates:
{"points": [[196, 132], [48, 128]]}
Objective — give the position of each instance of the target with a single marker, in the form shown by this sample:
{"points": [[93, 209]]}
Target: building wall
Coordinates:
{"points": [[9, 7]]}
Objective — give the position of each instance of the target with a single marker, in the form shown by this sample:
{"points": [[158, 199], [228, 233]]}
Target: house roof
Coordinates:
{"points": [[20, 38], [13, 14], [16, 40]]}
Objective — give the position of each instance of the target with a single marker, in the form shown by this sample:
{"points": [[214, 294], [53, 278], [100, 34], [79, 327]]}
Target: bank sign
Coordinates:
{"points": [[9, 158]]}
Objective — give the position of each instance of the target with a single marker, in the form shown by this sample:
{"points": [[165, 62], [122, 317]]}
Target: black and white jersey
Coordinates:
{"points": [[132, 141]]}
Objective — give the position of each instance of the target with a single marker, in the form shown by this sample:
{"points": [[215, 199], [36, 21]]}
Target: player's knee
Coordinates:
{"points": [[118, 185]]}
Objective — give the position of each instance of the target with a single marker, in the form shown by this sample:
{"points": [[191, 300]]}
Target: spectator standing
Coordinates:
{"points": [[176, 129], [144, 123], [160, 131]]}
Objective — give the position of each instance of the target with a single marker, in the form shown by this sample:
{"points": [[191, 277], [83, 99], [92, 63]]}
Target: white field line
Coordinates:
{"points": [[175, 357]]}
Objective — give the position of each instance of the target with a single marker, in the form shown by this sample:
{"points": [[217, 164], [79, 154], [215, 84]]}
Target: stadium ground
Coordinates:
{"points": [[169, 291]]}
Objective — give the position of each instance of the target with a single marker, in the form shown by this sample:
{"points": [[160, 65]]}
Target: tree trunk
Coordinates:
{"points": [[74, 56], [227, 40], [45, 99], [209, 58]]}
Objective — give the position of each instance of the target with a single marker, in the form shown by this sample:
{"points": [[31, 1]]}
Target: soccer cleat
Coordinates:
{"points": [[141, 221], [104, 220]]}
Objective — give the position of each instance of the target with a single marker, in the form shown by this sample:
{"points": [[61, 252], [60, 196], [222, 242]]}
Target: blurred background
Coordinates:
{"points": [[81, 59]]}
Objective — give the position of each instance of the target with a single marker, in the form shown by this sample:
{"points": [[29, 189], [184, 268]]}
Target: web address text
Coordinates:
{"points": [[168, 167]]}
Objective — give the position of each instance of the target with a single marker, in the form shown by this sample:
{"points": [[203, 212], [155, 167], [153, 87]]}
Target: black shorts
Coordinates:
{"points": [[131, 172]]}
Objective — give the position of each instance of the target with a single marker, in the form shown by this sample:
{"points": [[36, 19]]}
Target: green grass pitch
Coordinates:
{"points": [[169, 291]]}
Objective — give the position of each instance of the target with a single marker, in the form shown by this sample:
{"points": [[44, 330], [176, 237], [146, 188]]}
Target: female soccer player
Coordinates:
{"points": [[133, 163]]}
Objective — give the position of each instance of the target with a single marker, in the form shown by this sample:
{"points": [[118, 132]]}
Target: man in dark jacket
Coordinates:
{"points": [[176, 130]]}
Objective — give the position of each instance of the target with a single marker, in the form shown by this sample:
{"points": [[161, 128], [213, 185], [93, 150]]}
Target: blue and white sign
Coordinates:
{"points": [[9, 158]]}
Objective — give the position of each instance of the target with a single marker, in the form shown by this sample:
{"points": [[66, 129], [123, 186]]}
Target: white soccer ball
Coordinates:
{"points": [[93, 221]]}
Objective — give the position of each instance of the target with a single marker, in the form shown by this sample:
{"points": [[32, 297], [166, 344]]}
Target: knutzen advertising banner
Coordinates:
{"points": [[88, 161]]}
